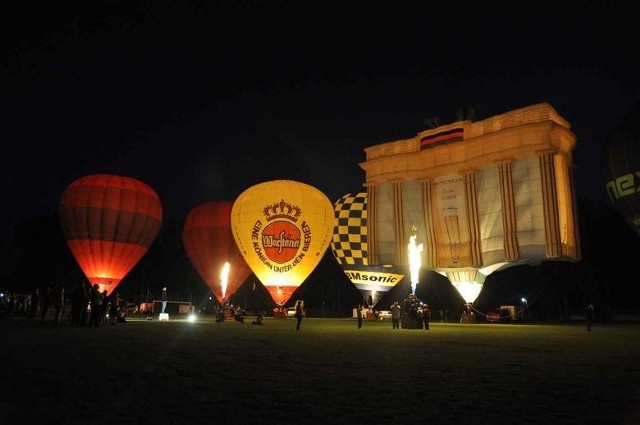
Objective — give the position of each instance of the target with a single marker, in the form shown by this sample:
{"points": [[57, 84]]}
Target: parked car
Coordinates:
{"points": [[291, 312], [499, 315], [384, 315]]}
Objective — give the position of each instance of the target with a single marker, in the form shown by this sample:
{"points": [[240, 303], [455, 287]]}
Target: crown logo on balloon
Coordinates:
{"points": [[282, 209]]}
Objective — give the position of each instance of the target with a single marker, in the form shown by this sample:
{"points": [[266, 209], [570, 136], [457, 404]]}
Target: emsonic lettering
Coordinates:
{"points": [[355, 275], [623, 186]]}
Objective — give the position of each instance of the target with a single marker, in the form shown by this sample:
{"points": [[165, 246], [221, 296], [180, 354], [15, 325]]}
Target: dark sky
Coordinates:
{"points": [[201, 100]]}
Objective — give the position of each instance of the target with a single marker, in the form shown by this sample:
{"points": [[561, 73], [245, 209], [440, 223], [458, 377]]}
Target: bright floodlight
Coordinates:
{"points": [[191, 318], [224, 278]]}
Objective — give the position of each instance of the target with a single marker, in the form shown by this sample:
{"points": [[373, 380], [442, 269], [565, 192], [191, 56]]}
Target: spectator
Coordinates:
{"points": [[57, 301], [45, 303], [359, 315], [85, 319], [590, 316], [395, 315], [165, 297], [426, 315], [258, 320], [114, 308], [36, 298], [95, 297], [78, 304], [105, 307], [299, 313]]}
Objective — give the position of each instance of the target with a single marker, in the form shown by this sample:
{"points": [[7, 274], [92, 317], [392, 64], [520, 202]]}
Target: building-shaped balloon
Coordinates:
{"points": [[480, 196]]}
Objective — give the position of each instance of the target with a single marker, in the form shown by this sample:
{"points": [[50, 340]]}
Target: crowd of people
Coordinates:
{"points": [[85, 305], [417, 314], [234, 311]]}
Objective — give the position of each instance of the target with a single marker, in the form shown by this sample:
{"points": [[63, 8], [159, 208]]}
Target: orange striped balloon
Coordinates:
{"points": [[109, 223]]}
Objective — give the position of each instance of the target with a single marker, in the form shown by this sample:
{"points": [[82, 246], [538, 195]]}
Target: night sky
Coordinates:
{"points": [[201, 100]]}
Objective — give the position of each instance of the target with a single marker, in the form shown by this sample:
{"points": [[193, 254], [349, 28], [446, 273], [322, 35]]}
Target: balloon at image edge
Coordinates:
{"points": [[209, 244], [349, 246], [620, 163], [283, 229], [109, 222]]}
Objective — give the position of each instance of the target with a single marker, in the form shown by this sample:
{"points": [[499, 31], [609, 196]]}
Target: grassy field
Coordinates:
{"points": [[176, 372]]}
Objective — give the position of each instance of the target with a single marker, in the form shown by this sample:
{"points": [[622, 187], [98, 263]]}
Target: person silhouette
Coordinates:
{"points": [[359, 314], [299, 313], [426, 314], [164, 299], [395, 315], [590, 316]]}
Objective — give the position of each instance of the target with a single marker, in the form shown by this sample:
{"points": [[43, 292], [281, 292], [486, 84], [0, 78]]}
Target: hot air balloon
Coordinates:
{"points": [[109, 223], [282, 228], [212, 250], [621, 168], [478, 196], [349, 245]]}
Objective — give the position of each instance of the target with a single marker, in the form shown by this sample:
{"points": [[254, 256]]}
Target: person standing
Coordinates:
{"points": [[299, 313], [359, 315], [114, 308], [395, 315], [86, 308], [165, 298], [45, 303], [36, 299], [426, 314], [590, 314], [95, 298], [78, 303], [57, 301], [104, 310]]}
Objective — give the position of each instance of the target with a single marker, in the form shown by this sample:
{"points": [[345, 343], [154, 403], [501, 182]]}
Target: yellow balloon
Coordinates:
{"points": [[283, 229]]}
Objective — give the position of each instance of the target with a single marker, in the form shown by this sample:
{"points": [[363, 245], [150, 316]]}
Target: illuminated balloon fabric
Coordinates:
{"points": [[209, 243], [484, 196], [109, 223], [282, 228], [349, 248], [621, 168]]}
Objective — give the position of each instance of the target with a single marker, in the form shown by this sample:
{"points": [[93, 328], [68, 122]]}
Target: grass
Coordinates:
{"points": [[150, 372]]}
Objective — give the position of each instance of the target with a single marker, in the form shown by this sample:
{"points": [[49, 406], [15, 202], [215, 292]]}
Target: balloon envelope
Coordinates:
{"points": [[350, 249], [621, 168], [209, 244], [282, 228], [109, 223]]}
